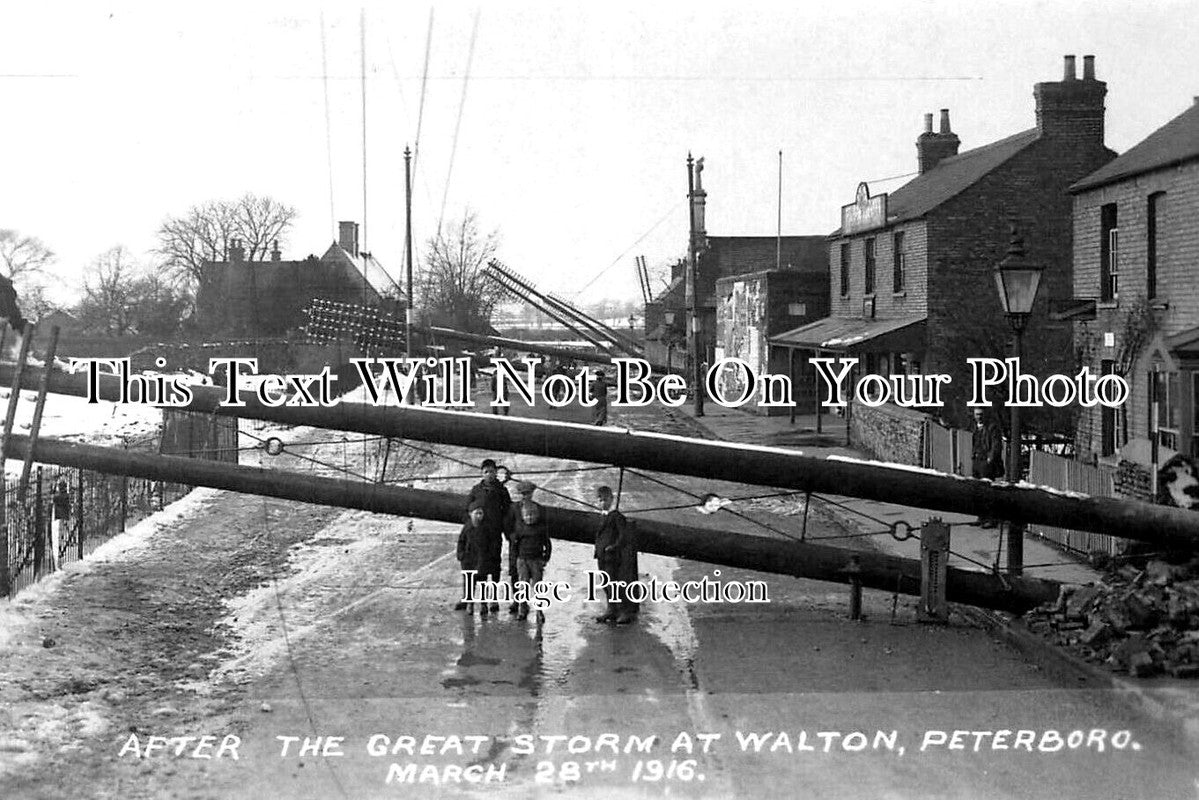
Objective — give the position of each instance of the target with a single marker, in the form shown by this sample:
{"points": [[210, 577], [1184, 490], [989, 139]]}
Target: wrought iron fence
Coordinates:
{"points": [[51, 526]]}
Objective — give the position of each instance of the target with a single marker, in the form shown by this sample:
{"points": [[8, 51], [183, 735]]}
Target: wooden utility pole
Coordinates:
{"points": [[1161, 525], [693, 342], [713, 546], [408, 250]]}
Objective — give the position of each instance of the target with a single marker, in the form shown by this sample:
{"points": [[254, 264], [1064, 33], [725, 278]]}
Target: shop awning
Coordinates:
{"points": [[897, 334]]}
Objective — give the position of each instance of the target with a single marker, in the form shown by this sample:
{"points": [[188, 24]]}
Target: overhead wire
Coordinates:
{"points": [[470, 56]]}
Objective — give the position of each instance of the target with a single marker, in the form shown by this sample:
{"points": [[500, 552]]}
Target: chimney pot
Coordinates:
{"points": [[1088, 68], [1070, 73], [928, 123], [347, 237], [945, 120]]}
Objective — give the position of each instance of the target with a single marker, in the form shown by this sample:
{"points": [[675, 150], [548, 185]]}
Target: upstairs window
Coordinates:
{"points": [[900, 264], [845, 270], [1109, 254], [870, 266], [1154, 210]]}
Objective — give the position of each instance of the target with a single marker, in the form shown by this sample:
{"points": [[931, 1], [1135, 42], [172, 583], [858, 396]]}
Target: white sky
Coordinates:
{"points": [[576, 123]]}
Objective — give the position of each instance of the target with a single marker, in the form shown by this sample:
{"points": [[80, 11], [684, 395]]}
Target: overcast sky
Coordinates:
{"points": [[573, 133]]}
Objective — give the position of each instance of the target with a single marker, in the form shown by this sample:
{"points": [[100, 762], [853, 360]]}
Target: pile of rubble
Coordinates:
{"points": [[1140, 621]]}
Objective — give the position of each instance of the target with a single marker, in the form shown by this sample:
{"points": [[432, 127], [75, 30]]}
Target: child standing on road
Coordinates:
{"points": [[531, 539], [471, 555]]}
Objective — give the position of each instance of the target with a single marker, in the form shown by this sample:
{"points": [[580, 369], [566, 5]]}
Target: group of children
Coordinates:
{"points": [[493, 518]]}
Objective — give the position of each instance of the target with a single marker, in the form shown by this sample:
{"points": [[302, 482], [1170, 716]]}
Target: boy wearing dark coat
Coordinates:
{"points": [[616, 554], [524, 496], [495, 501], [471, 548], [531, 541]]}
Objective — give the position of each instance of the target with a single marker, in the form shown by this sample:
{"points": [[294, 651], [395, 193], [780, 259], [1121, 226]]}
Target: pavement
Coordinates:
{"points": [[1170, 701]]}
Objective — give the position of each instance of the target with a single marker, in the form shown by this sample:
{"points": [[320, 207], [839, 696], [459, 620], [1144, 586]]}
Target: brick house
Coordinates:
{"points": [[911, 286], [268, 298], [1136, 264]]}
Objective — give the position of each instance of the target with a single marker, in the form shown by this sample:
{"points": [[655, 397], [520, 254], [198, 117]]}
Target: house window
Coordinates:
{"points": [[900, 263], [1194, 413], [1155, 208], [1109, 254], [869, 266], [1107, 417], [845, 270], [1166, 392]]}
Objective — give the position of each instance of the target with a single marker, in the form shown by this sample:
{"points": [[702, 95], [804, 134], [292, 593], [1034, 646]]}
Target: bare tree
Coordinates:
{"points": [[206, 231], [22, 257], [122, 297], [454, 290], [109, 293]]}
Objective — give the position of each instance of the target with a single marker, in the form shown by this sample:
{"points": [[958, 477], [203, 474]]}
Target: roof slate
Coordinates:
{"points": [[951, 177], [1172, 143]]}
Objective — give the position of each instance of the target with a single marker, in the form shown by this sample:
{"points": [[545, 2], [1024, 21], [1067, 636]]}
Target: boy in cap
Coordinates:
{"points": [[496, 501], [531, 542], [524, 496], [470, 551], [616, 555]]}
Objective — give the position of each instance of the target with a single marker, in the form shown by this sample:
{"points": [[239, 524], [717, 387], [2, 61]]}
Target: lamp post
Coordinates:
{"points": [[1017, 280]]}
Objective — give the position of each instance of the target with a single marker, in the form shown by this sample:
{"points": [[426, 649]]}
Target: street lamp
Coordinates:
{"points": [[1017, 280]]}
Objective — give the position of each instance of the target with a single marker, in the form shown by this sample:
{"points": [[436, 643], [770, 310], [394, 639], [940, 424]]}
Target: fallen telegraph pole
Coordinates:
{"points": [[787, 469], [759, 553]]}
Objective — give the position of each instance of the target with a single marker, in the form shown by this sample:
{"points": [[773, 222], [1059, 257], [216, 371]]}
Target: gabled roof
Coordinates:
{"points": [[1172, 143], [951, 177], [362, 270]]}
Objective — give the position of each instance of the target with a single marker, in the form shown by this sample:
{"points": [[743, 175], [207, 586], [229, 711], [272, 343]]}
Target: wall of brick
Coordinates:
{"points": [[969, 236], [1177, 268], [888, 433], [887, 303]]}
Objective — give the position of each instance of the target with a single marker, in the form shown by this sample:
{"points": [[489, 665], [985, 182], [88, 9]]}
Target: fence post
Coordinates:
{"points": [[124, 501], [39, 520], [79, 513], [5, 583]]}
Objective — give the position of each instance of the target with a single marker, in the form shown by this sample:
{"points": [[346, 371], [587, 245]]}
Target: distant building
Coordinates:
{"points": [[1136, 265], [911, 286], [269, 298], [723, 257]]}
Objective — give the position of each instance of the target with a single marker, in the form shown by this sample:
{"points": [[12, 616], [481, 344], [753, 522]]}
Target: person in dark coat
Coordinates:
{"points": [[531, 541], [986, 457], [471, 548], [496, 501], [61, 503], [8, 305], [599, 414], [524, 496], [616, 556]]}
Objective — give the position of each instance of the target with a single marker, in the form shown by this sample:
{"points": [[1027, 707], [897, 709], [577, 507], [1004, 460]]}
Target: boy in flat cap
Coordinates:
{"points": [[496, 501], [524, 497]]}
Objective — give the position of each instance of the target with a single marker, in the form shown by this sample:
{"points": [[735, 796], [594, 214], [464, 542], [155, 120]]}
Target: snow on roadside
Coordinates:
{"points": [[15, 614]]}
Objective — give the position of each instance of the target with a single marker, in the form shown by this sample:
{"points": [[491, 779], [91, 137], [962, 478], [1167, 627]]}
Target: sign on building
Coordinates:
{"points": [[865, 212]]}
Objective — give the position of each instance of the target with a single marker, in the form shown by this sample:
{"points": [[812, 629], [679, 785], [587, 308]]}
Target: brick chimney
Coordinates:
{"points": [[347, 237], [237, 253], [932, 148], [1072, 108], [701, 200], [276, 255]]}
